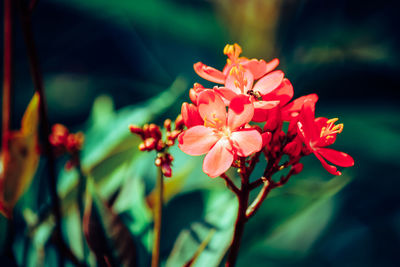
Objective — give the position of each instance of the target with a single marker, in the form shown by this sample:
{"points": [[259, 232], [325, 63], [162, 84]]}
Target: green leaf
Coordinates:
{"points": [[219, 216], [106, 234], [291, 220]]}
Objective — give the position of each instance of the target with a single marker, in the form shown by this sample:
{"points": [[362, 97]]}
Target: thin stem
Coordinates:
{"points": [[243, 199], [7, 74], [80, 200], [230, 184], [251, 210], [155, 259], [38, 84]]}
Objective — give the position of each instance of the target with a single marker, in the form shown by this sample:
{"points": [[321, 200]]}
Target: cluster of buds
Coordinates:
{"points": [[152, 138], [64, 142]]}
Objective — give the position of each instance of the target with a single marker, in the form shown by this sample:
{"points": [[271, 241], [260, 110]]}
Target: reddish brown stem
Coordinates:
{"points": [[252, 209], [243, 199], [7, 73], [25, 16], [230, 184], [155, 259]]}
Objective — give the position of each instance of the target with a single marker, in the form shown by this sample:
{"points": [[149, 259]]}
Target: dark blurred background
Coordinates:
{"points": [[346, 51]]}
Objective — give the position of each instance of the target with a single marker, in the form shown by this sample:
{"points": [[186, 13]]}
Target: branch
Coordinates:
{"points": [[230, 184], [7, 74], [38, 84], [158, 219], [251, 210]]}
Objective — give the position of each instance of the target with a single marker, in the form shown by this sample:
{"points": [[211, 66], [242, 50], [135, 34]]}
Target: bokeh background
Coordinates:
{"points": [[102, 60]]}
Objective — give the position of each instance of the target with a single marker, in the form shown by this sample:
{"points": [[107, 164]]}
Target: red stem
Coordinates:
{"points": [[7, 74], [243, 198], [38, 84]]}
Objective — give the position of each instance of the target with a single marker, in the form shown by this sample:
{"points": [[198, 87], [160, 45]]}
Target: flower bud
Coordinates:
{"points": [[150, 143], [297, 168], [142, 147], [166, 170], [167, 125], [292, 129], [179, 123], [292, 149], [154, 131], [158, 162], [266, 138], [191, 116], [193, 96]]}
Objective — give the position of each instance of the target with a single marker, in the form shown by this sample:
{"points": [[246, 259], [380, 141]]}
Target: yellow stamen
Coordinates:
{"points": [[330, 128], [233, 51]]}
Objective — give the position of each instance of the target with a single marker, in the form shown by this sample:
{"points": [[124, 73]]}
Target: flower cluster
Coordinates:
{"points": [[152, 138], [65, 142], [244, 115]]}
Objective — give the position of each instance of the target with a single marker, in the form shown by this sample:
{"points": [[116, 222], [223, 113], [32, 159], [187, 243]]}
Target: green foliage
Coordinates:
{"points": [[199, 212], [156, 16]]}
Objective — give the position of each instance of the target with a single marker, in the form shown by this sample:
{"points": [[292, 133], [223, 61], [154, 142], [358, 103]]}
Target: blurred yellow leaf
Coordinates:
{"points": [[21, 159]]}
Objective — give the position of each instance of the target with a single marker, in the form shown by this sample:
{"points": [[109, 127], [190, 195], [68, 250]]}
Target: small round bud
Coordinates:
{"points": [[167, 125], [179, 123], [297, 168], [150, 143]]}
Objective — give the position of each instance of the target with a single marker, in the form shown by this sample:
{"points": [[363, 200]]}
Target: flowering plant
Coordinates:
{"points": [[241, 119]]}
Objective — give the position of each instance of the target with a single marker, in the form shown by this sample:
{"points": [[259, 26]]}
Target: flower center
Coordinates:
{"points": [[330, 129], [214, 122], [238, 73]]}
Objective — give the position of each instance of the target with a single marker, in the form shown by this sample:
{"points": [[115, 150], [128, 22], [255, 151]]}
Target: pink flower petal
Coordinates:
{"points": [[226, 93], [209, 73], [218, 159], [330, 168], [197, 140], [248, 77], [292, 109], [284, 93], [336, 157], [259, 67], [261, 109], [240, 112], [305, 124], [212, 108], [190, 115], [269, 82], [246, 141]]}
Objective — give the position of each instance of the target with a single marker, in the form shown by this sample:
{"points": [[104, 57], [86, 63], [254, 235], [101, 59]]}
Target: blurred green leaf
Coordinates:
{"points": [[105, 232], [167, 17], [219, 216], [291, 220]]}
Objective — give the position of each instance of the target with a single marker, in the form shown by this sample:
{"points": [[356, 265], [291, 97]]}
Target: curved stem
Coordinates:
{"points": [[251, 210], [230, 184], [7, 73], [158, 219], [243, 198], [38, 84]]}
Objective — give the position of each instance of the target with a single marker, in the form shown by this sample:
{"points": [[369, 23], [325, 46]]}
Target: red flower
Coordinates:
{"points": [[258, 68], [317, 133], [223, 136]]}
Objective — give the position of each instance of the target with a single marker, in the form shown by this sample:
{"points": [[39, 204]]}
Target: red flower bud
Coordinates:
{"points": [[292, 149], [297, 168], [179, 123], [266, 138], [150, 143], [166, 170], [136, 130], [154, 131], [167, 125]]}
